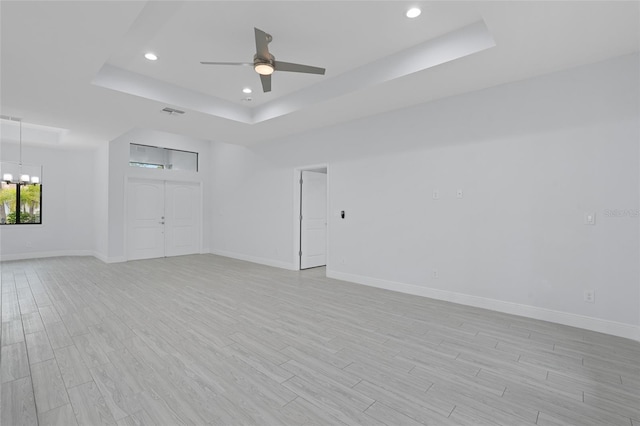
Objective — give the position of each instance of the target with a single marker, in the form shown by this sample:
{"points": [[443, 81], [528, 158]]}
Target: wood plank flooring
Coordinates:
{"points": [[207, 340]]}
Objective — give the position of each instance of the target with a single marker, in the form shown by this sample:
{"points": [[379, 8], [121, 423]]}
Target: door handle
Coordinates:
{"points": [[161, 223]]}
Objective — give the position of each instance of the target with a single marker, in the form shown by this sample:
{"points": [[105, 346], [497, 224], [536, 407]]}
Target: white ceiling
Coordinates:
{"points": [[79, 66]]}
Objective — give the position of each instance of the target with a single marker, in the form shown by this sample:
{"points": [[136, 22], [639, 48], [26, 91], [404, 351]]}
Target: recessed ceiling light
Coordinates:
{"points": [[247, 90], [414, 12], [150, 56]]}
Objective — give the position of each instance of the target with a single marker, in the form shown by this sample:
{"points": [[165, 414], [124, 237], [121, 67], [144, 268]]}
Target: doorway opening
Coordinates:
{"points": [[310, 207]]}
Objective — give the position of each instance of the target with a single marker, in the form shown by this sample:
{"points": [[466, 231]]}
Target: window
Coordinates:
{"points": [[146, 165], [153, 157], [20, 204]]}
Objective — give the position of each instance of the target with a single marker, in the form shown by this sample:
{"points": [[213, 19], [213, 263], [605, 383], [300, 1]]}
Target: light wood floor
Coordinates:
{"points": [[209, 340]]}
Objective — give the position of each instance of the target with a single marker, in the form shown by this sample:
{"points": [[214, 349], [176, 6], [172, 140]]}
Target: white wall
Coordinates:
{"points": [[252, 207], [68, 217], [101, 202], [531, 157], [120, 171]]}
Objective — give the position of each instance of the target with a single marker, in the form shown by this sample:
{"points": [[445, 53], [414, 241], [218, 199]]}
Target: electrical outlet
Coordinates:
{"points": [[589, 296], [459, 193], [590, 218], [435, 275], [436, 194], [343, 261], [29, 244]]}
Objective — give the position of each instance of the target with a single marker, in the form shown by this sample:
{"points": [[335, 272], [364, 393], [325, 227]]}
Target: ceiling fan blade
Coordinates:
{"points": [[288, 66], [262, 42], [227, 63], [266, 83]]}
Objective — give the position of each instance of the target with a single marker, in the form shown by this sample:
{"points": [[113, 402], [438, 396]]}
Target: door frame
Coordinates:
{"points": [[127, 179], [297, 231]]}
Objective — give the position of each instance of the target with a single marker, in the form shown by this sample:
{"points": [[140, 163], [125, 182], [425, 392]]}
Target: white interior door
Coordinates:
{"points": [[313, 222], [182, 228], [163, 218], [145, 216]]}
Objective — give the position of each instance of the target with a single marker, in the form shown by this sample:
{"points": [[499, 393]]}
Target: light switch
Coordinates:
{"points": [[590, 218], [589, 296]]}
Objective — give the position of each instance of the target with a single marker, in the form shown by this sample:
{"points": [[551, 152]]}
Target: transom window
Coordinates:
{"points": [[153, 157]]}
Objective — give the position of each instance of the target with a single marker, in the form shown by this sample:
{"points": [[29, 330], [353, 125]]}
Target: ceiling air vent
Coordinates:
{"points": [[172, 111]]}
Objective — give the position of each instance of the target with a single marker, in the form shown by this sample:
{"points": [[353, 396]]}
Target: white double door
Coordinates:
{"points": [[163, 218]]}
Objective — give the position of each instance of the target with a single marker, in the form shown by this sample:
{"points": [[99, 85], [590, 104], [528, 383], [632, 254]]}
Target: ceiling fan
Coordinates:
{"points": [[264, 63]]}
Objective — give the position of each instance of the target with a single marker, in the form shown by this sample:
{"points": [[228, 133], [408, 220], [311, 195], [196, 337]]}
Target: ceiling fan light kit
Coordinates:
{"points": [[265, 64], [263, 68]]}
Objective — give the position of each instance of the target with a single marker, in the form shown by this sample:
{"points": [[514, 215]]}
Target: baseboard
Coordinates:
{"points": [[101, 257], [260, 260], [107, 259], [61, 253], [43, 254], [628, 331]]}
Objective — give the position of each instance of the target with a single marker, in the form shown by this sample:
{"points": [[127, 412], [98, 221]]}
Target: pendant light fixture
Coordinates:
{"points": [[22, 177]]}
